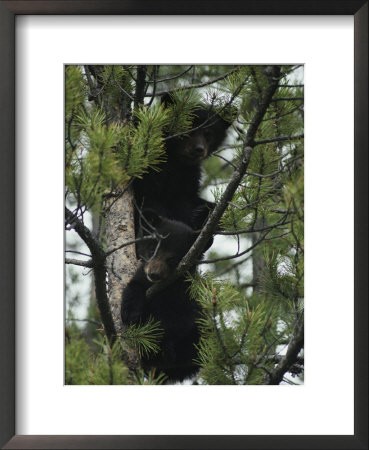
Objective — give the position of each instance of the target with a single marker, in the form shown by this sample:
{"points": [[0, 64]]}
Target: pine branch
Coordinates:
{"points": [[210, 118], [291, 357], [286, 165], [170, 78], [279, 139], [78, 253], [254, 230], [268, 119], [233, 266], [114, 112], [198, 85], [99, 268], [291, 85], [195, 251], [121, 88], [286, 99], [238, 254]]}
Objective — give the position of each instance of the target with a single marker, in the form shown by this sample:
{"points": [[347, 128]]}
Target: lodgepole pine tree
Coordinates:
{"points": [[250, 284]]}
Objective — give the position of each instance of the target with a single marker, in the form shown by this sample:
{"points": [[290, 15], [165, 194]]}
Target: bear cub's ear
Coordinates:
{"points": [[152, 217]]}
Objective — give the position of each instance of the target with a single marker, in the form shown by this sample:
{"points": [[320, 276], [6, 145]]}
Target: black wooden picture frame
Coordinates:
{"points": [[8, 11]]}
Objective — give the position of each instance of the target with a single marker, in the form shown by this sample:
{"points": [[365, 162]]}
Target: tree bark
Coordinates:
{"points": [[122, 263], [119, 218]]}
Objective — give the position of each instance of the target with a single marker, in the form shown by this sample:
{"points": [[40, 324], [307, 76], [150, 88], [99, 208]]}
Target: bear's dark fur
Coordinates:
{"points": [[172, 306], [173, 191]]}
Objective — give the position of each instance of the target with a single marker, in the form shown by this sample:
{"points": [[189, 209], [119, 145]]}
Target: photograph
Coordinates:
{"points": [[184, 224], [186, 221]]}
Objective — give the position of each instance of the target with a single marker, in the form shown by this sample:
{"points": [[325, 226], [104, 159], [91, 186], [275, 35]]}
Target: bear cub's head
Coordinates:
{"points": [[161, 255], [210, 130]]}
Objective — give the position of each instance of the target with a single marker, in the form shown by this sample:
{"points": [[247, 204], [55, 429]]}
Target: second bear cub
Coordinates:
{"points": [[172, 306]]}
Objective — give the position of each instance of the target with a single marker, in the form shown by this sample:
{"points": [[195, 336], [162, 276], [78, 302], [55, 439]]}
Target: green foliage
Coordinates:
{"points": [[114, 81], [142, 146], [249, 321], [284, 279], [145, 338], [75, 94], [239, 337], [100, 367], [252, 298], [181, 110], [92, 167], [101, 154], [152, 378], [75, 91], [95, 362]]}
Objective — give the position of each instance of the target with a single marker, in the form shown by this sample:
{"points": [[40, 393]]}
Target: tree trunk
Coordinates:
{"points": [[122, 263]]}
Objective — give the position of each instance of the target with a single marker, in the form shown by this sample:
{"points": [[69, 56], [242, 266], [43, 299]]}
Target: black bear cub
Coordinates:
{"points": [[172, 306], [173, 190]]}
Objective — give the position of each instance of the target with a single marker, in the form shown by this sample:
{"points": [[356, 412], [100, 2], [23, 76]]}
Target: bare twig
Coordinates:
{"points": [[291, 85], [198, 85], [208, 121], [78, 262], [78, 253], [279, 139], [169, 78], [286, 99], [238, 254], [254, 230], [233, 266]]}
